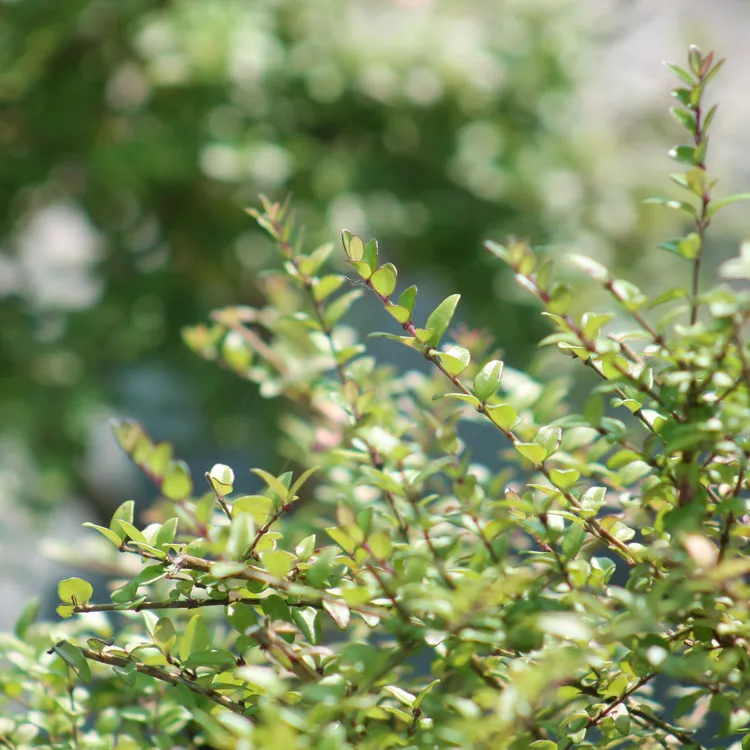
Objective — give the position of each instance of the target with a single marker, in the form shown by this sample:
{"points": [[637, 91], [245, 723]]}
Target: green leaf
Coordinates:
{"points": [[680, 179], [564, 478], [113, 537], [343, 538], [221, 478], [697, 180], [195, 638], [455, 359], [622, 722], [73, 657], [235, 352], [715, 206], [123, 513], [127, 433], [371, 254], [165, 636], [467, 397], [543, 745], [695, 59], [301, 479], [305, 548], [278, 562], [241, 534], [309, 265], [217, 659], [685, 155], [274, 484], [166, 534], [346, 238], [132, 532], [680, 73], [441, 317], [408, 298], [363, 269], [487, 380], [573, 540], [307, 619], [532, 451], [339, 612], [424, 692], [159, 458], [499, 251], [26, 618], [503, 415], [684, 118], [401, 314], [340, 306], [669, 296], [384, 280], [354, 245], [716, 68], [177, 483], [260, 507], [560, 298], [327, 285], [401, 695], [409, 341], [632, 297], [592, 323], [549, 438], [75, 591], [685, 247], [380, 545], [682, 96], [676, 205], [276, 608], [241, 616]]}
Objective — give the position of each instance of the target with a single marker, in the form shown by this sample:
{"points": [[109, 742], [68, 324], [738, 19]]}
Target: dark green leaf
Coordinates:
{"points": [[73, 657], [684, 118], [440, 318]]}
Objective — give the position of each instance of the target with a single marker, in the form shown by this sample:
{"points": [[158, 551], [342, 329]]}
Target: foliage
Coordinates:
{"points": [[138, 127], [442, 603]]}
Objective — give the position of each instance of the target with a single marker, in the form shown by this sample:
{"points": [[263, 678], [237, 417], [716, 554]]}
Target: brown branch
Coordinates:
{"points": [[164, 676]]}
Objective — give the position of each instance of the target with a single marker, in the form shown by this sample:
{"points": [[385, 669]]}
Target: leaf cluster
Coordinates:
{"points": [[436, 602]]}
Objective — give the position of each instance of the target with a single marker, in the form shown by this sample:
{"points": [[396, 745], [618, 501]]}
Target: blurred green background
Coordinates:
{"points": [[133, 133]]}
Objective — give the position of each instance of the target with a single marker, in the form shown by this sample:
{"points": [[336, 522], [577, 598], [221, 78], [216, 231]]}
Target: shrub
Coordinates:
{"points": [[442, 603], [131, 133]]}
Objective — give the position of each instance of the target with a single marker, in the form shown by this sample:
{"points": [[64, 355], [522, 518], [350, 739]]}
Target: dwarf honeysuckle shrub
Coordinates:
{"points": [[588, 590]]}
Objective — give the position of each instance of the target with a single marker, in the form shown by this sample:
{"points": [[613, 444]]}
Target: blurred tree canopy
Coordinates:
{"points": [[132, 134]]}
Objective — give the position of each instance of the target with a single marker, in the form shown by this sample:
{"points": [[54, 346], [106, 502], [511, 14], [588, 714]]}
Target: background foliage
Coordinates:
{"points": [[132, 133]]}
